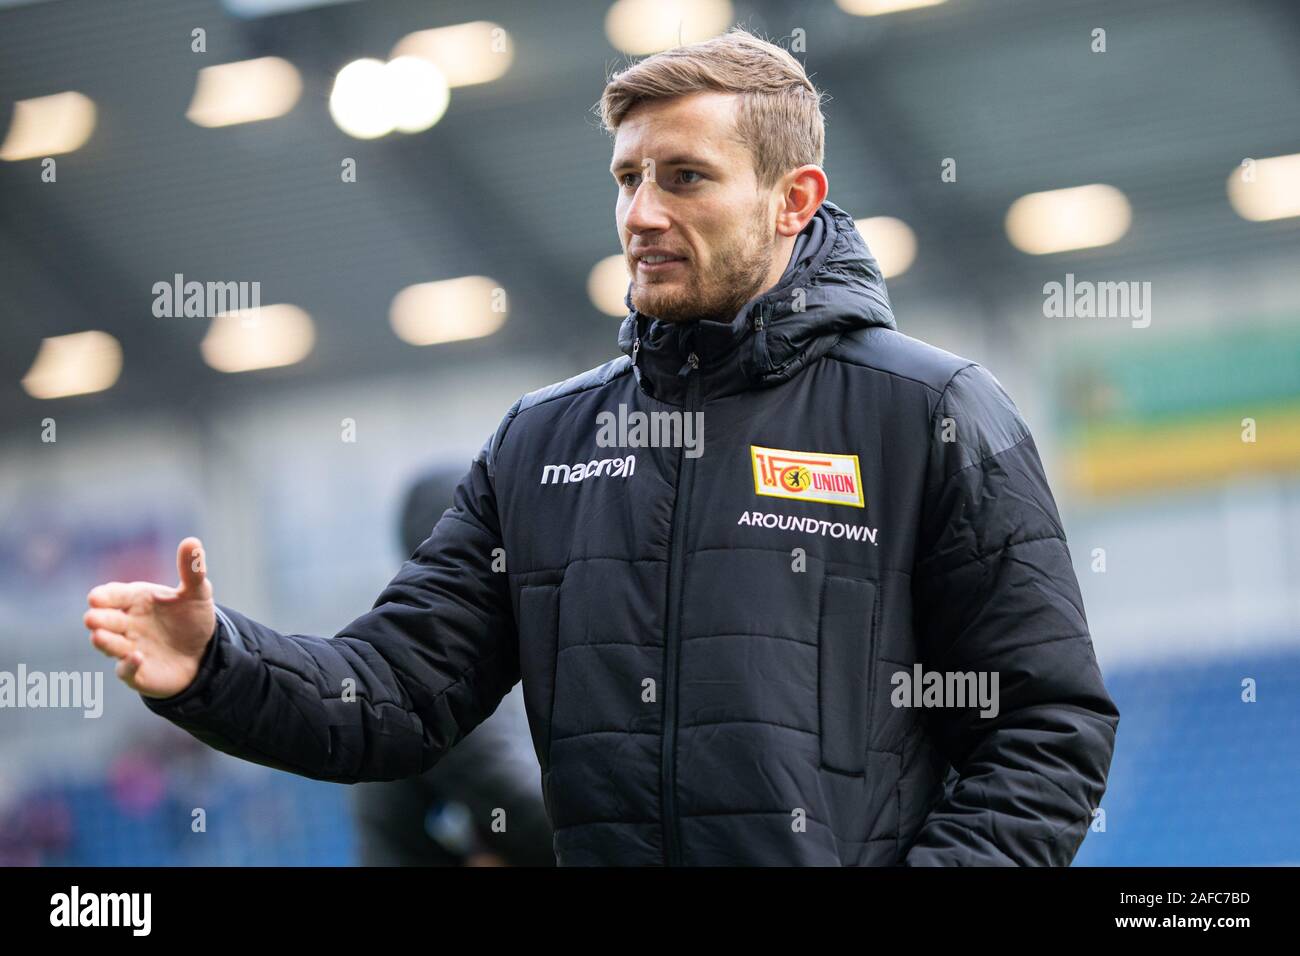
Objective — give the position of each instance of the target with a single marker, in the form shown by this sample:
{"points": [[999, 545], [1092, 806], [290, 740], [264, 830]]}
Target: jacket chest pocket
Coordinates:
{"points": [[846, 636], [539, 628]]}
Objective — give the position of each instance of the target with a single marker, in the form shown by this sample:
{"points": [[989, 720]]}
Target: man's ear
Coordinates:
{"points": [[801, 192]]}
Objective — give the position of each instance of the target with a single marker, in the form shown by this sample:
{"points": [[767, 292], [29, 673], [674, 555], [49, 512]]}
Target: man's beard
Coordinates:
{"points": [[737, 277]]}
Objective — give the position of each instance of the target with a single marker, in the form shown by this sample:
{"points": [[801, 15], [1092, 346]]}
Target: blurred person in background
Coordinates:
{"points": [[444, 816], [707, 640]]}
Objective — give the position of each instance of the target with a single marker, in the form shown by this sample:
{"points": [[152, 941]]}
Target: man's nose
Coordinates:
{"points": [[647, 213]]}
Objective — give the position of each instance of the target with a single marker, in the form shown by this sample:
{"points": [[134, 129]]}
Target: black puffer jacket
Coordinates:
{"points": [[708, 637]]}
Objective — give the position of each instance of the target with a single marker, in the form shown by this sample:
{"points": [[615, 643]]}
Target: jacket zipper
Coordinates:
{"points": [[676, 559]]}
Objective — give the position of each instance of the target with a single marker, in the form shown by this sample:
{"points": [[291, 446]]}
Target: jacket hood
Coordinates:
{"points": [[834, 287]]}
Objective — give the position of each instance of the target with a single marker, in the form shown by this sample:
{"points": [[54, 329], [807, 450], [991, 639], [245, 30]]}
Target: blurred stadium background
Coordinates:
{"points": [[229, 163]]}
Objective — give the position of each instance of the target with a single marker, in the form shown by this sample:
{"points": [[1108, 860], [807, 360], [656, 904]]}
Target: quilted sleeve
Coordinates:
{"points": [[995, 592], [394, 690]]}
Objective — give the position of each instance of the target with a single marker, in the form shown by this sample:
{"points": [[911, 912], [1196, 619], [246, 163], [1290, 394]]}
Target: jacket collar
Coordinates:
{"points": [[833, 288]]}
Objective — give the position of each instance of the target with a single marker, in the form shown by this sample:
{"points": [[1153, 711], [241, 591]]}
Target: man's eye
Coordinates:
{"points": [[629, 180]]}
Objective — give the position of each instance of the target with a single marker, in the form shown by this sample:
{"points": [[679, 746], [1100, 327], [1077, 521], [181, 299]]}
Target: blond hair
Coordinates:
{"points": [[779, 115]]}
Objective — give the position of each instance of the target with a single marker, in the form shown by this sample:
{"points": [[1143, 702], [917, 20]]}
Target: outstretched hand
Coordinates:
{"points": [[157, 633]]}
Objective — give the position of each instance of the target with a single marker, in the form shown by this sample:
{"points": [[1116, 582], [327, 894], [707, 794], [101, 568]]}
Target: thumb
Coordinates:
{"points": [[191, 564]]}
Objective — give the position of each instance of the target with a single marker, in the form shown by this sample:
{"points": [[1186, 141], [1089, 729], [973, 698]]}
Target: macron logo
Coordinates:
{"points": [[596, 468]]}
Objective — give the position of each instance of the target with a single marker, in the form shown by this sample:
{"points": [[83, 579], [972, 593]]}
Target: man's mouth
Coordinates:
{"points": [[656, 264]]}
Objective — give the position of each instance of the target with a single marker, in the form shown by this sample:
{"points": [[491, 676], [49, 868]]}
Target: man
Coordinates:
{"points": [[714, 618]]}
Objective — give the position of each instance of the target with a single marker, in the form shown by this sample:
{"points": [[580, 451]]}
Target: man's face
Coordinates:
{"points": [[687, 189]]}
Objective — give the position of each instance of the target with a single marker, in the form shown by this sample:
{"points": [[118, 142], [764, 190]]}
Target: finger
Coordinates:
{"points": [[113, 594], [117, 594], [128, 665], [191, 563], [110, 619], [110, 644]]}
